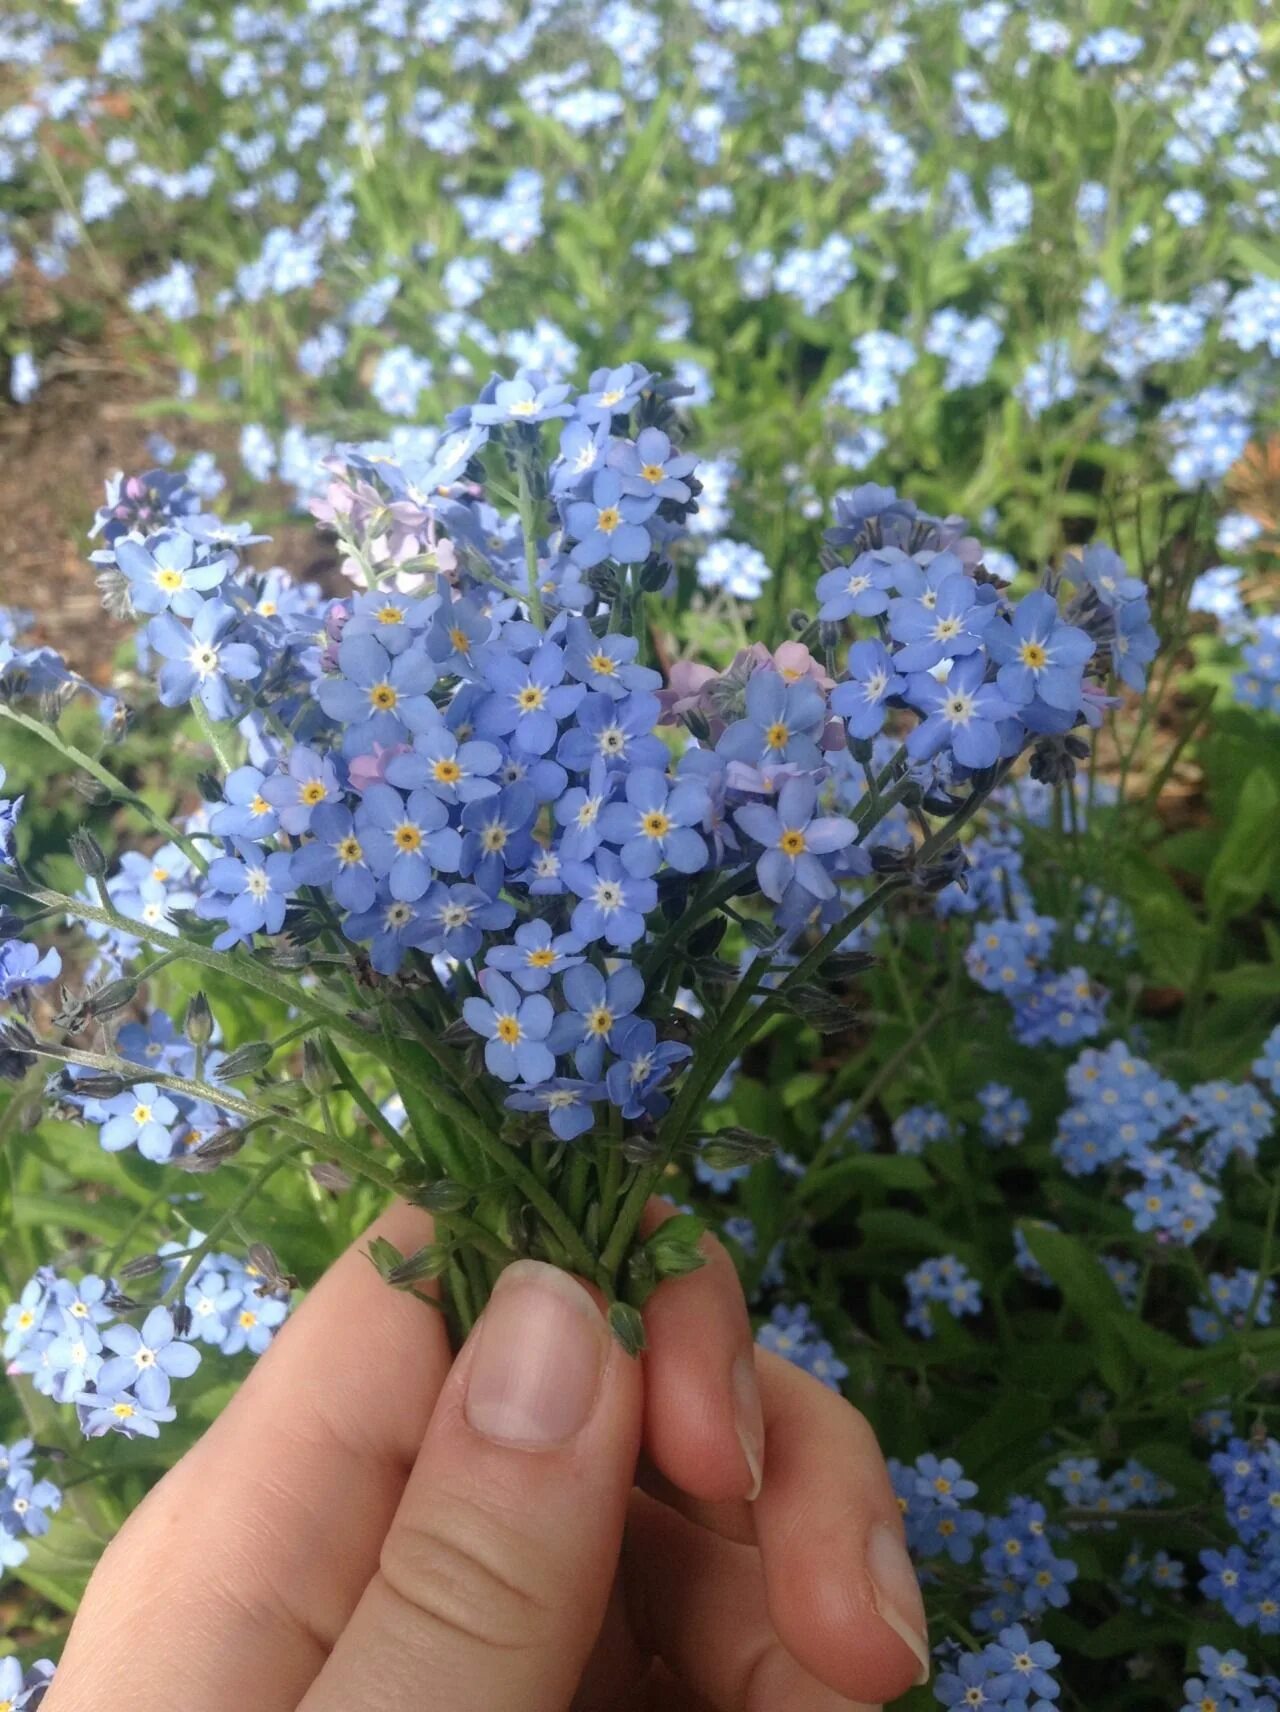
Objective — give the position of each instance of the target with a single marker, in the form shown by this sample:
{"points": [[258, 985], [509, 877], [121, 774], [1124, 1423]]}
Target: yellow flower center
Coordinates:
{"points": [[122, 1411], [1033, 654], [169, 580], [608, 519], [792, 842], [459, 640], [141, 1114], [530, 698], [609, 397], [248, 1319], [350, 851], [776, 736], [508, 1030], [524, 407], [259, 805], [652, 472], [313, 792], [408, 837], [494, 838], [389, 615], [541, 957], [655, 824], [383, 697], [446, 772], [604, 664], [599, 1020]]}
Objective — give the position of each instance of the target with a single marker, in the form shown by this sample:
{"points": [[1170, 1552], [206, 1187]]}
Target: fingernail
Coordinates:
{"points": [[896, 1593], [748, 1420], [541, 1350]]}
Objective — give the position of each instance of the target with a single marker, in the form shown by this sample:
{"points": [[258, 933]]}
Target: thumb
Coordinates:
{"points": [[495, 1574]]}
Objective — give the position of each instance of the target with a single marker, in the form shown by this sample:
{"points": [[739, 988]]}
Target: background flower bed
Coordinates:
{"points": [[1006, 259]]}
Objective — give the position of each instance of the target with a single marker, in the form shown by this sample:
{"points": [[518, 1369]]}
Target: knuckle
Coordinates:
{"points": [[468, 1576]]}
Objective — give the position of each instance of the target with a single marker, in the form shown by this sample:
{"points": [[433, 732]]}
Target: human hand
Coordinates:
{"points": [[372, 1524]]}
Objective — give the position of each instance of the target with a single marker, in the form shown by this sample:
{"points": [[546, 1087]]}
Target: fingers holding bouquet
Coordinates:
{"points": [[373, 1521]]}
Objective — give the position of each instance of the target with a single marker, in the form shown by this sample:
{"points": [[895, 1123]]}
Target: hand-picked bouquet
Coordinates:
{"points": [[515, 888]]}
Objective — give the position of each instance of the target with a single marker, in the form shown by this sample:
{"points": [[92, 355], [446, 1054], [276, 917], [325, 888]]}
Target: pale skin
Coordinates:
{"points": [[375, 1524]]}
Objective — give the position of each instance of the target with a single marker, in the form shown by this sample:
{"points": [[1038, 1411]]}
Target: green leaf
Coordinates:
{"points": [[107, 1219], [1241, 871], [1090, 1293], [803, 1087]]}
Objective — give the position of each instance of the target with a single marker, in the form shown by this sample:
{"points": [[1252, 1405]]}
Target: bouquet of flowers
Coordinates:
{"points": [[524, 887]]}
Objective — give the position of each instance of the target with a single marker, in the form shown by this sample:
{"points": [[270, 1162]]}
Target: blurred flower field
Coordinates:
{"points": [[457, 281]]}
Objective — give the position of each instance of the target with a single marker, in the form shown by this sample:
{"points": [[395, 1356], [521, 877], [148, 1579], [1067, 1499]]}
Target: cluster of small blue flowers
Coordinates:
{"points": [[78, 1345], [1081, 1483], [1245, 1579], [793, 1333], [467, 730], [1123, 1112], [1238, 1298], [1023, 1577], [1012, 1671], [162, 1125], [1258, 685], [945, 1283], [1005, 1115], [1226, 1684], [27, 1501], [1007, 955], [1011, 678], [303, 107], [919, 1126]]}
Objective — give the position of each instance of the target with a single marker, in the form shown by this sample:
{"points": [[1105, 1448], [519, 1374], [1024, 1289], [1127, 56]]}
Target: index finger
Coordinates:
{"points": [[232, 1581]]}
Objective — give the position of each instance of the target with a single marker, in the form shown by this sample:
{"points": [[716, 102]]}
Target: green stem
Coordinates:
{"points": [[223, 1223], [346, 1076], [305, 1136], [213, 737], [134, 1226], [512, 1166], [119, 791], [811, 1181], [700, 907], [457, 1225], [529, 529]]}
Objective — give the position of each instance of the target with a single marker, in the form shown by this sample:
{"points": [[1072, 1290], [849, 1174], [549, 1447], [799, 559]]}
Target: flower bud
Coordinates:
{"points": [[317, 1074], [144, 1266], [443, 1196], [653, 574], [246, 1060], [674, 1246], [627, 1326], [89, 790], [198, 1023], [98, 1085], [114, 996], [733, 1146], [87, 854]]}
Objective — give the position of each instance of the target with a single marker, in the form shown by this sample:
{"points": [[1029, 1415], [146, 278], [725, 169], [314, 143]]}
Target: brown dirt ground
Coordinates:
{"points": [[88, 420]]}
